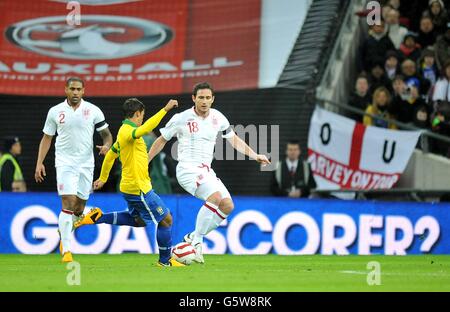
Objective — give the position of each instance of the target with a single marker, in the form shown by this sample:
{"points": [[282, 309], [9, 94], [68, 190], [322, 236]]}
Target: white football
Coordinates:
{"points": [[184, 253]]}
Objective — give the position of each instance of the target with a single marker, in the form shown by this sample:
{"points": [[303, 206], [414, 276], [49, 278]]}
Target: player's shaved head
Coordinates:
{"points": [[72, 79], [131, 106]]}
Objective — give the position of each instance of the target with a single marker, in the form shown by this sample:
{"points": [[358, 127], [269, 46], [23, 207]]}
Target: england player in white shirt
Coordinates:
{"points": [[74, 120], [196, 130]]}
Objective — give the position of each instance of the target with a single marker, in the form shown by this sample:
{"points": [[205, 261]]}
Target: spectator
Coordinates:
{"points": [[410, 48], [399, 95], [396, 32], [411, 11], [427, 66], [409, 71], [360, 97], [427, 34], [293, 177], [441, 115], [422, 117], [375, 46], [442, 48], [406, 109], [441, 94], [438, 14], [377, 77], [395, 4], [385, 9], [441, 124], [391, 65], [379, 108], [11, 177]]}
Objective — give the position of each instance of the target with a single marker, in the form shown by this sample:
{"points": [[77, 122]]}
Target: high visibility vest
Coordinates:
{"points": [[18, 176]]}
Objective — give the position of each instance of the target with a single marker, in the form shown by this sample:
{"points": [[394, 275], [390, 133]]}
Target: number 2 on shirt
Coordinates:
{"points": [[193, 126]]}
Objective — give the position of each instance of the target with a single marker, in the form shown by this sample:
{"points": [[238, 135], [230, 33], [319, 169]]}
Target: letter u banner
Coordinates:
{"points": [[345, 154]]}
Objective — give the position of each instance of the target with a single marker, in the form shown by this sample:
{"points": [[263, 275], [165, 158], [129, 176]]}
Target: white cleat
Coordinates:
{"points": [[199, 253]]}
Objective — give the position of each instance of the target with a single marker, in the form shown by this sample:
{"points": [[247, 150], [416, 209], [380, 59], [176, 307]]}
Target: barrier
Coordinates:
{"points": [[258, 225]]}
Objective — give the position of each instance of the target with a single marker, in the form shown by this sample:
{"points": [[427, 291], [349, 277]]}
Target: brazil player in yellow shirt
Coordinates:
{"points": [[144, 205]]}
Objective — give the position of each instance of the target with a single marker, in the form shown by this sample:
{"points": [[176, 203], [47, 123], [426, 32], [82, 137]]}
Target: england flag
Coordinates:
{"points": [[344, 154]]}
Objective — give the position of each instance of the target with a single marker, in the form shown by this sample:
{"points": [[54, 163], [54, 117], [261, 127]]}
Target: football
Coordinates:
{"points": [[184, 253]]}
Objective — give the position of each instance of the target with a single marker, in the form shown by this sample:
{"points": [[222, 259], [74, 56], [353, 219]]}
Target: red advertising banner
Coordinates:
{"points": [[128, 47]]}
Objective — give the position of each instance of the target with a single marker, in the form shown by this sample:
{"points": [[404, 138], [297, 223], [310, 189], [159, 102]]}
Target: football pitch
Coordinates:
{"points": [[224, 273]]}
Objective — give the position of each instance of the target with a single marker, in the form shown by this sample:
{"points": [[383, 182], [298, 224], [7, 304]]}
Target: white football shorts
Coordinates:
{"points": [[200, 181], [74, 181]]}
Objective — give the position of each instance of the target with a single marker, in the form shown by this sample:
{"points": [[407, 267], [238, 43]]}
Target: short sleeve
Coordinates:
{"points": [[99, 120], [171, 128], [225, 127], [50, 123]]}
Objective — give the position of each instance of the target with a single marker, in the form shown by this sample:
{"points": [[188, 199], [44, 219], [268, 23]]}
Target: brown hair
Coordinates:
{"points": [[381, 90]]}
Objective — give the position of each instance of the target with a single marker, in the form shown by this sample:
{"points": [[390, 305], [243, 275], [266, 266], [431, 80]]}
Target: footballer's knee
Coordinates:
{"points": [[226, 205], [215, 198], [167, 221], [79, 208], [68, 203]]}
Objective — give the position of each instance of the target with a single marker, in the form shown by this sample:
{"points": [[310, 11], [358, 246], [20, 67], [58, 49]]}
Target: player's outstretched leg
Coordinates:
{"points": [[89, 218], [77, 217], [96, 216]]}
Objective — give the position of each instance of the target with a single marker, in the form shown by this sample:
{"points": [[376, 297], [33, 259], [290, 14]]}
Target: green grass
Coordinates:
{"points": [[134, 272]]}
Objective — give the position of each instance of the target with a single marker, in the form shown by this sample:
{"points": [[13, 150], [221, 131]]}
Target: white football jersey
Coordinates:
{"points": [[197, 135], [74, 143]]}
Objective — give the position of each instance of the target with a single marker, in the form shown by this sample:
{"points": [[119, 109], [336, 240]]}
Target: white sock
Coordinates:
{"points": [[204, 218], [217, 218], [65, 228]]}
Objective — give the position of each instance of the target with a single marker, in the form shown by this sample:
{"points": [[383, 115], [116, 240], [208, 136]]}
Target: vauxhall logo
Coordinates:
{"points": [[100, 37]]}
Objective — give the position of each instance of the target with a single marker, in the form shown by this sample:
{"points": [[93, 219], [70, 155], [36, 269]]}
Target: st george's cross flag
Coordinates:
{"points": [[344, 154]]}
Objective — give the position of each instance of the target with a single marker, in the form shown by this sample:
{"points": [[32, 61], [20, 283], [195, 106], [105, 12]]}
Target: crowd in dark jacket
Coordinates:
{"points": [[404, 65]]}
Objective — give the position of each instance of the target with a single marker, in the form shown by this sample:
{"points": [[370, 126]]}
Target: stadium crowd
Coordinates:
{"points": [[404, 68]]}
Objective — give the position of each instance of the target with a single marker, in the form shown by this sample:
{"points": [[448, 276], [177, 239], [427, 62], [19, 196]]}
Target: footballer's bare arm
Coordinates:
{"points": [[243, 147], [44, 146], [157, 147], [107, 141]]}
